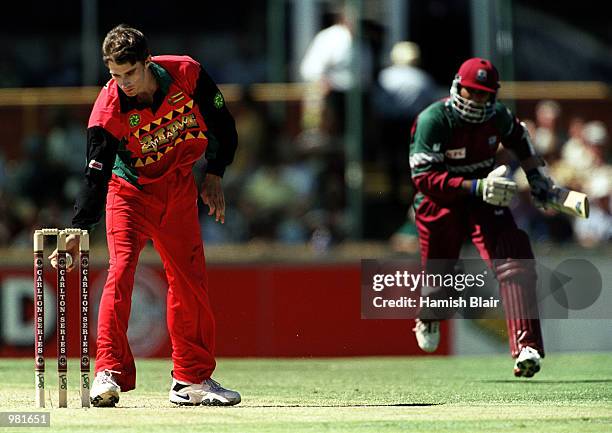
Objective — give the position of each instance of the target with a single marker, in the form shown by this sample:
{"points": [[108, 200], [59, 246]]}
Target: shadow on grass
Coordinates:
{"points": [[344, 405], [536, 381], [281, 406]]}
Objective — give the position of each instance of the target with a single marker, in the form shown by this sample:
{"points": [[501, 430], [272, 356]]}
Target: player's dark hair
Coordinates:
{"points": [[124, 44]]}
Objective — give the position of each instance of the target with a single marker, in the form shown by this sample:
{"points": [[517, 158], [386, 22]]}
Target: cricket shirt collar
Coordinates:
{"points": [[164, 80]]}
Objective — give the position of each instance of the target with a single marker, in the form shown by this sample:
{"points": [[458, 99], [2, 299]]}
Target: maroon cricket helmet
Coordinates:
{"points": [[477, 73]]}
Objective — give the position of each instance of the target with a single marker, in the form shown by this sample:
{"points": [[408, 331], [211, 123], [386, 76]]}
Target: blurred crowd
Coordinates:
{"points": [[287, 182], [290, 188], [39, 182], [578, 157]]}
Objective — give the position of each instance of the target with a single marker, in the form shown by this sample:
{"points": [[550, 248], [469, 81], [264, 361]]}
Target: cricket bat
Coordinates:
{"points": [[565, 200]]}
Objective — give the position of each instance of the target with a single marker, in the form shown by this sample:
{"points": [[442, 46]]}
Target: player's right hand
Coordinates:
{"points": [[72, 249], [496, 188], [212, 195]]}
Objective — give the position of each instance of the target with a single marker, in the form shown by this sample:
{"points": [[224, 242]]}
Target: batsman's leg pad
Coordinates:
{"points": [[515, 269]]}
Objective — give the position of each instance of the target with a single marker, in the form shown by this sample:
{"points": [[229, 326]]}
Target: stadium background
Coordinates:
{"points": [[284, 272]]}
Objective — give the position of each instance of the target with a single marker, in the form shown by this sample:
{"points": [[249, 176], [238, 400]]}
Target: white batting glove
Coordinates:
{"points": [[496, 189]]}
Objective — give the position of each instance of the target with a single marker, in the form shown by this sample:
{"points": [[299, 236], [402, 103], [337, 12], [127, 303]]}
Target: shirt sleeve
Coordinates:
{"points": [[515, 136], [90, 203], [221, 133], [429, 173]]}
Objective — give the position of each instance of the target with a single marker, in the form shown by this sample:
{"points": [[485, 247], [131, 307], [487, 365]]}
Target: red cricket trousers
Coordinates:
{"points": [[442, 232], [165, 212]]}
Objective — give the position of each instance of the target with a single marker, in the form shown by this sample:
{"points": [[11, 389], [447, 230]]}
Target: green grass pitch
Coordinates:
{"points": [[572, 393]]}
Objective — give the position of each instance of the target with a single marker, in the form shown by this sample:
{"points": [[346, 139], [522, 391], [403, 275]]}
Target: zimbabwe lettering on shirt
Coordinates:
{"points": [[162, 135]]}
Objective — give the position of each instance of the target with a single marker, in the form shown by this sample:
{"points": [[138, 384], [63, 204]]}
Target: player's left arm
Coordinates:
{"points": [[222, 141], [515, 137], [221, 133]]}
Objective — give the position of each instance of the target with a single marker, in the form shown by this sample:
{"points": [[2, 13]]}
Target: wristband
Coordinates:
{"points": [[474, 188]]}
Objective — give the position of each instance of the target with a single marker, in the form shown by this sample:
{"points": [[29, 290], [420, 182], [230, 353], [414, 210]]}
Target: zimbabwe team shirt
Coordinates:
{"points": [[144, 143], [153, 142]]}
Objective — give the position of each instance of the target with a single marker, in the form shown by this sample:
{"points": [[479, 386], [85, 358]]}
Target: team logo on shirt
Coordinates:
{"points": [[134, 120], [219, 101]]}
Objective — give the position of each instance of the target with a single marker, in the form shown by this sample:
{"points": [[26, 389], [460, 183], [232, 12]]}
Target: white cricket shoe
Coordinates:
{"points": [[528, 362], [427, 334], [207, 393], [104, 389]]}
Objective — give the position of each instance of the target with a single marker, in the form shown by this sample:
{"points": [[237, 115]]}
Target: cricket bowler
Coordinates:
{"points": [[461, 195], [150, 123]]}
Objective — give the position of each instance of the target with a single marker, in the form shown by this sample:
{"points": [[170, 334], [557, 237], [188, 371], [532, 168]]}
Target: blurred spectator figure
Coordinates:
{"points": [[597, 229], [254, 127], [547, 138], [595, 136], [574, 151], [583, 155], [267, 198], [317, 175], [328, 66], [407, 89], [575, 157], [404, 90], [596, 141]]}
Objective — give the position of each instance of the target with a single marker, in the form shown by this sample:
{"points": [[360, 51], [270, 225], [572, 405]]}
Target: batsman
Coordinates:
{"points": [[152, 121], [462, 195]]}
